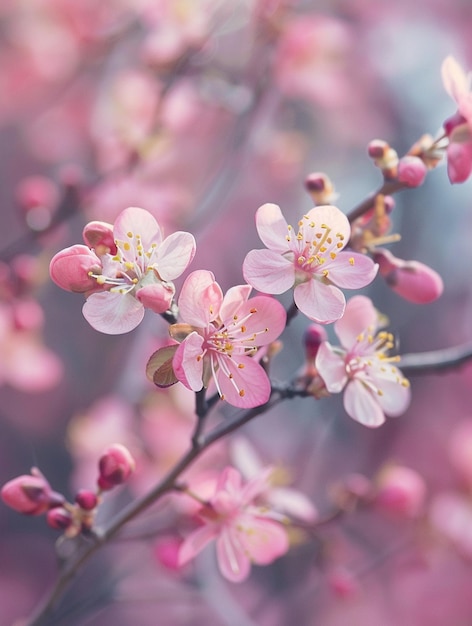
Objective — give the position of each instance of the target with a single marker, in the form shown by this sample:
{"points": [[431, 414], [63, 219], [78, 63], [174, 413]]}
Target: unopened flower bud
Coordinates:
{"points": [[70, 268], [86, 499], [401, 491], [59, 518], [383, 156], [313, 337], [320, 188], [412, 280], [115, 465], [99, 236], [411, 171], [30, 494], [377, 148]]}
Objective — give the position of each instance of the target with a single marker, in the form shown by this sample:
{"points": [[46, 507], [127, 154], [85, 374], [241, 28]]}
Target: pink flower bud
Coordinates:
{"points": [[99, 236], [320, 188], [86, 499], [166, 551], [59, 518], [342, 583], [384, 156], [412, 280], [70, 268], [30, 494], [115, 466], [314, 336], [411, 171], [401, 491], [157, 297], [377, 148]]}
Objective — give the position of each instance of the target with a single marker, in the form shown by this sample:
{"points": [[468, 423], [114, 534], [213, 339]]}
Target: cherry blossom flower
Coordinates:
{"points": [[244, 532], [221, 334], [372, 385], [458, 128], [129, 269], [312, 259]]}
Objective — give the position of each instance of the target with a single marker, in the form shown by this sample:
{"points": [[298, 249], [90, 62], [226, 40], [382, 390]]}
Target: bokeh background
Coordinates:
{"points": [[200, 111]]}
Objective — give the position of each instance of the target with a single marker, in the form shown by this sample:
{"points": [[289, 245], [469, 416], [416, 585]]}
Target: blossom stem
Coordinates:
{"points": [[436, 360]]}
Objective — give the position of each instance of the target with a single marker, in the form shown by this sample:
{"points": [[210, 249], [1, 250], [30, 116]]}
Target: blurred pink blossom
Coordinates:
{"points": [[312, 260], [372, 385], [244, 532], [30, 494]]}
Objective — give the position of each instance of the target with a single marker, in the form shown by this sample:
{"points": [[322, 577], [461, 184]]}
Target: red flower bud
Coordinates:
{"points": [[86, 499], [314, 336], [30, 494], [59, 518], [115, 465]]}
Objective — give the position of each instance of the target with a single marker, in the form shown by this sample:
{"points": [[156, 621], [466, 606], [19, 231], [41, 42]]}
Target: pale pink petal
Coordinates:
{"points": [[248, 385], [233, 563], [245, 457], [395, 397], [229, 480], [454, 78], [113, 313], [459, 161], [175, 254], [351, 270], [196, 542], [257, 486], [272, 227], [292, 503], [267, 320], [319, 302], [137, 222], [234, 298], [262, 539], [333, 218], [360, 315], [200, 299], [157, 297], [331, 368], [268, 272], [451, 514], [187, 365], [362, 405]]}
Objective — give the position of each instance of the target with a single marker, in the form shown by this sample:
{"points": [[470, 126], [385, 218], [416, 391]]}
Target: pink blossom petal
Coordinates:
{"points": [[360, 314], [188, 367], [268, 271], [175, 254], [244, 387], [257, 486], [229, 480], [331, 368], [70, 268], [352, 270], [262, 539], [319, 302], [335, 219], [267, 321], [459, 162], [157, 297], [454, 78], [196, 542], [233, 563], [200, 299], [272, 227], [362, 405], [113, 313], [395, 397], [233, 299], [292, 503], [138, 222]]}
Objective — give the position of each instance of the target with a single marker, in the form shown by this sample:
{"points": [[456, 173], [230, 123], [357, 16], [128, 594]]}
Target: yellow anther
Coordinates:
{"points": [[240, 366], [301, 260], [253, 310], [323, 249], [405, 383], [332, 255], [129, 234], [126, 246], [351, 261], [243, 329], [329, 240], [241, 392], [325, 273], [101, 280], [380, 392], [339, 244], [299, 236]]}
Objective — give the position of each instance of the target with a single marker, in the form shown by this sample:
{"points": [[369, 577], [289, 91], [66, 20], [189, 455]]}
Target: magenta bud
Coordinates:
{"points": [[320, 188], [115, 466], [30, 494], [401, 491], [411, 171], [377, 148], [99, 236], [86, 499], [313, 337], [412, 280], [70, 268], [316, 181], [59, 518]]}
